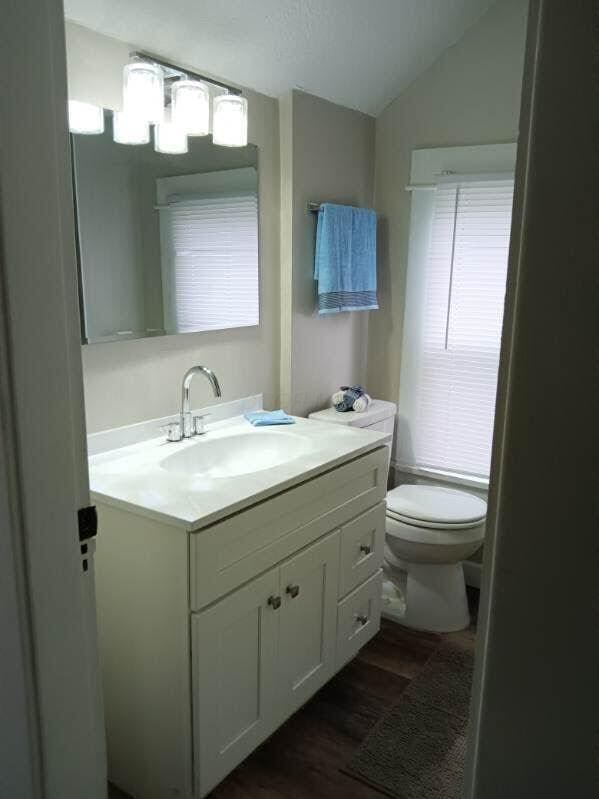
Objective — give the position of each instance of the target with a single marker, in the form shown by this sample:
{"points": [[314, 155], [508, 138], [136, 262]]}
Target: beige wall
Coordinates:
{"points": [[332, 158], [471, 95], [95, 66], [130, 381]]}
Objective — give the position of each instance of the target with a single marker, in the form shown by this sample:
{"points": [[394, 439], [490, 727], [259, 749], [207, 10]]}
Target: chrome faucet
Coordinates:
{"points": [[188, 426]]}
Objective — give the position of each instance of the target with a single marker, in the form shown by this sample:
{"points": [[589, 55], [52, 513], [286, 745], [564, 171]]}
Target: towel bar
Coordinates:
{"points": [[315, 207]]}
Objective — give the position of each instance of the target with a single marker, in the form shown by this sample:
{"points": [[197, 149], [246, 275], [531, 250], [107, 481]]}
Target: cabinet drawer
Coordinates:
{"points": [[358, 618], [233, 551], [362, 544]]}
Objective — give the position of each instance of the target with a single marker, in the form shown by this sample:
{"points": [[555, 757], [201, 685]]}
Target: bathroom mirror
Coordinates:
{"points": [[167, 244]]}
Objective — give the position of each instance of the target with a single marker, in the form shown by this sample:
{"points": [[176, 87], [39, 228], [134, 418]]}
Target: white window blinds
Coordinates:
{"points": [[210, 262], [453, 378]]}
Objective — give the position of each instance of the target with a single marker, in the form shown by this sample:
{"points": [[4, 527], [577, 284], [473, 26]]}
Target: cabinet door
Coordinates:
{"points": [[234, 667], [308, 622]]}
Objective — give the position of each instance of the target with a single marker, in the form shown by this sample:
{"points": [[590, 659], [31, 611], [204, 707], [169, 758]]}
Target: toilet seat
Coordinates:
{"points": [[435, 507], [432, 525], [406, 531]]}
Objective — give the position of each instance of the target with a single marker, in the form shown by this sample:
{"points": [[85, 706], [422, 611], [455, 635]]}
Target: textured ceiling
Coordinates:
{"points": [[358, 53]]}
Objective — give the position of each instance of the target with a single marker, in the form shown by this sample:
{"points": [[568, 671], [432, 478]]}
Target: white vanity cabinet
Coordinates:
{"points": [[211, 638]]}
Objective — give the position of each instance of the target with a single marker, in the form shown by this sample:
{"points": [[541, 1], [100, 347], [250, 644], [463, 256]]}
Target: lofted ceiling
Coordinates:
{"points": [[358, 53]]}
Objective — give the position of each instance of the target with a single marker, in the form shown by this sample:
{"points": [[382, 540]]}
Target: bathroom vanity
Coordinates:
{"points": [[235, 575]]}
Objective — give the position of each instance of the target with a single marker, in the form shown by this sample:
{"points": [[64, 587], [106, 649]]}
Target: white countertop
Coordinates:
{"points": [[133, 477]]}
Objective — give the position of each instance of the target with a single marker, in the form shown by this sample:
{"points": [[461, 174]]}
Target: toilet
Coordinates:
{"points": [[430, 530]]}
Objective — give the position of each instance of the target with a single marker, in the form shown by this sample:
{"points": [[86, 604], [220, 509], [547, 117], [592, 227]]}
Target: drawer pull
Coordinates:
{"points": [[365, 549], [362, 619], [274, 602], [293, 590]]}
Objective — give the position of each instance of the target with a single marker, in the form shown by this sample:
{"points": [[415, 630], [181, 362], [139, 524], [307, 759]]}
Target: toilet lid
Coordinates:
{"points": [[435, 505]]}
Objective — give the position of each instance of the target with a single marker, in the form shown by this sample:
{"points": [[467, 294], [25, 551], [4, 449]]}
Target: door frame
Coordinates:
{"points": [[533, 720], [53, 726]]}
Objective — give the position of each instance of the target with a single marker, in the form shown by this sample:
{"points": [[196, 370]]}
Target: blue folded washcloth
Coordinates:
{"points": [[345, 261], [264, 418]]}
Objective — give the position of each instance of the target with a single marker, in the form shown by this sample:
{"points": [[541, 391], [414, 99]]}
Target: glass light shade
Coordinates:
{"points": [[143, 91], [169, 138], [85, 117], [127, 129], [191, 107], [230, 120]]}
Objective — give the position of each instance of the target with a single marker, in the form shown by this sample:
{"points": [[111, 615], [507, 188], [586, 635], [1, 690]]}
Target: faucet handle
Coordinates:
{"points": [[173, 431], [199, 425]]}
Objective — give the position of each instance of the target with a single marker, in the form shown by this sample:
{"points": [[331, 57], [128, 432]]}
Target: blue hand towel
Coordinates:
{"points": [[345, 263], [264, 418]]}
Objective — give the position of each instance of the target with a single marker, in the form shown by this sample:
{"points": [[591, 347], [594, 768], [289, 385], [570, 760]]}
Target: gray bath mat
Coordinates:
{"points": [[417, 749]]}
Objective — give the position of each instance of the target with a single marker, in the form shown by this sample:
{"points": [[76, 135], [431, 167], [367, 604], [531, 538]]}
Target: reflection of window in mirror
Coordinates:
{"points": [[209, 250]]}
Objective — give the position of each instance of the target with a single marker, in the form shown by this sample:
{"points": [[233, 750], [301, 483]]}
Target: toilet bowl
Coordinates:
{"points": [[430, 530]]}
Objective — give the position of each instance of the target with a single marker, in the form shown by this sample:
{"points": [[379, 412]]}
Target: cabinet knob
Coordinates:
{"points": [[293, 590], [365, 549], [362, 619], [274, 602]]}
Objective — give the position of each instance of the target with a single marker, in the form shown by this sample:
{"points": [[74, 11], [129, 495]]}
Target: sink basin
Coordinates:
{"points": [[237, 455]]}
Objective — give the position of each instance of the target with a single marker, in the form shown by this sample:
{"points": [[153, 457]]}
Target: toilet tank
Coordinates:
{"points": [[379, 416]]}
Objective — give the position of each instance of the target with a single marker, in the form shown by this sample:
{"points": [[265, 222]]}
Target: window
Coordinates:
{"points": [[452, 337], [209, 240]]}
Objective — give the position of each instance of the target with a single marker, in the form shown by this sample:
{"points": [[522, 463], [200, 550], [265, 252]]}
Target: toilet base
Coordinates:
{"points": [[429, 597]]}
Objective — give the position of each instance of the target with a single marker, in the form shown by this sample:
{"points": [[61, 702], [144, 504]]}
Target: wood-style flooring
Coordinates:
{"points": [[303, 758]]}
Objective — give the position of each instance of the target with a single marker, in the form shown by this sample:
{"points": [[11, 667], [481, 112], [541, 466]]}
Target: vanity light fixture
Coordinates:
{"points": [[168, 137], [190, 103], [127, 129], [143, 91], [85, 117], [144, 81], [230, 120]]}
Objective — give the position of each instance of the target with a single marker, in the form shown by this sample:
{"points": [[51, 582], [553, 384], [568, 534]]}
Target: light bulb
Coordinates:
{"points": [[127, 129], [191, 107], [168, 137], [85, 117], [230, 120], [143, 91]]}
